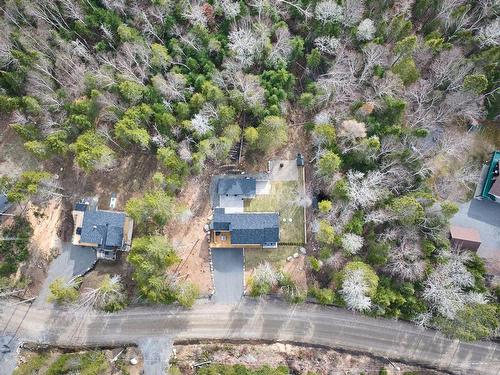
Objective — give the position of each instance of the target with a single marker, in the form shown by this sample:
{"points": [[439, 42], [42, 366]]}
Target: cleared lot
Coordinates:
{"points": [[228, 275]]}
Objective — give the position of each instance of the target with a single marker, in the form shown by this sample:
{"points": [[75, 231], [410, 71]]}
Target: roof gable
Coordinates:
{"points": [[104, 228], [237, 186]]}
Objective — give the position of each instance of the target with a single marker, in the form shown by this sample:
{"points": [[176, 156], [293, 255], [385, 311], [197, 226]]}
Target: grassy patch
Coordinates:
{"points": [[32, 365], [282, 199], [277, 257], [93, 363], [240, 369]]}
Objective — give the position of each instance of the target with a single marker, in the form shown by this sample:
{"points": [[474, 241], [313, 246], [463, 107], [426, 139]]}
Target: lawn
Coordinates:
{"points": [[282, 199], [276, 257]]}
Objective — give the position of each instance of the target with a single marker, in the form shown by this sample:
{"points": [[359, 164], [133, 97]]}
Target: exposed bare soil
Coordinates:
{"points": [[45, 242], [300, 360], [188, 236]]}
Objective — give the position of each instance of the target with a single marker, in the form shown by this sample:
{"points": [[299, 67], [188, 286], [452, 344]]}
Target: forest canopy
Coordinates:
{"points": [[389, 96]]}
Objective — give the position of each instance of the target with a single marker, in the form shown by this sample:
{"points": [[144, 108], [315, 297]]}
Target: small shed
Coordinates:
{"points": [[465, 238], [300, 160]]}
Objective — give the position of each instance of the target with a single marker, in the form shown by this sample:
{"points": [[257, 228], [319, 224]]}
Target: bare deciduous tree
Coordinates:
{"points": [[230, 9], [109, 290], [366, 190], [489, 35], [373, 54], [246, 85], [389, 85], [405, 261], [282, 48], [172, 87], [352, 243], [328, 11], [449, 69], [354, 290], [195, 13], [327, 44], [118, 6], [353, 12], [445, 288], [265, 273], [245, 44], [340, 84]]}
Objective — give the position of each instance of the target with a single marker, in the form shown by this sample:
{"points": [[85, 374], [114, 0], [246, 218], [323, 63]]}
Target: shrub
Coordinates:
{"points": [[325, 206], [328, 164], [406, 70], [62, 292], [340, 190], [355, 225], [323, 296], [315, 263], [325, 253], [326, 233], [187, 294]]}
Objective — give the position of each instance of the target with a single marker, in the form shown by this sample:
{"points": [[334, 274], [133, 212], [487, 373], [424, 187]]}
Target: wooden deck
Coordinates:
{"points": [[223, 239]]}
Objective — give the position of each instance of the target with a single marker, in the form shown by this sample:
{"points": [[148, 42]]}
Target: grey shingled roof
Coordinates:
{"points": [[237, 186], [103, 227], [81, 206], [248, 228]]}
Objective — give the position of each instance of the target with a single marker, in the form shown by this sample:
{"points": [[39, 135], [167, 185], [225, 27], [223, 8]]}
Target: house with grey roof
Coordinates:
{"points": [[106, 231], [232, 226], [232, 191], [243, 187], [245, 229]]}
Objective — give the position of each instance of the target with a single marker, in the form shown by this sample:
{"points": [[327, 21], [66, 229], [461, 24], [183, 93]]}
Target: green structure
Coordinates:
{"points": [[492, 179]]}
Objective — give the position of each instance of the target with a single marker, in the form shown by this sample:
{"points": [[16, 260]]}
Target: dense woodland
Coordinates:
{"points": [[393, 95]]}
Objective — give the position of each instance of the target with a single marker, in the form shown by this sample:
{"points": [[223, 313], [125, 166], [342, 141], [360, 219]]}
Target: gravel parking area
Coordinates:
{"points": [[283, 170]]}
